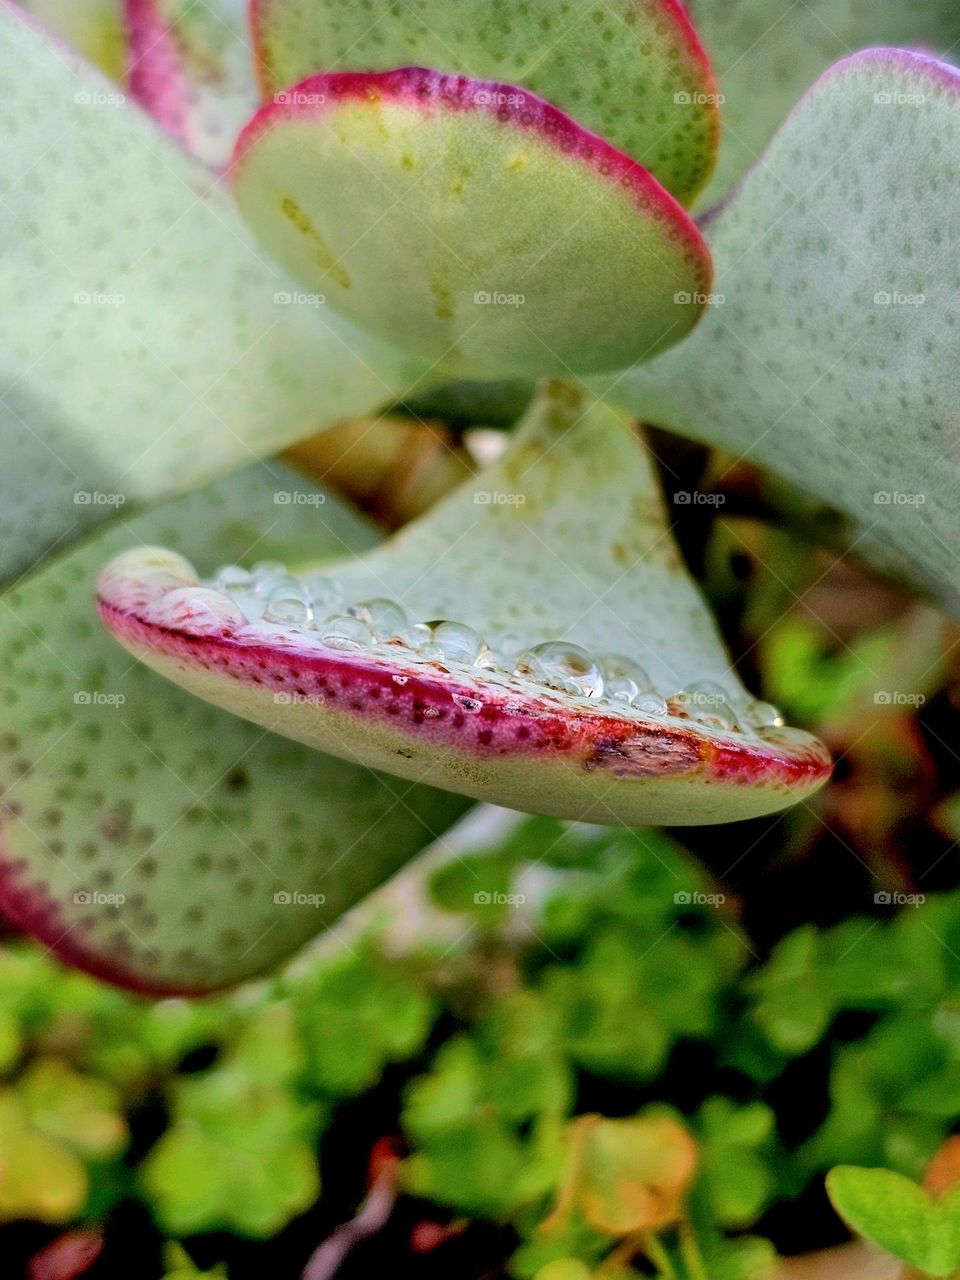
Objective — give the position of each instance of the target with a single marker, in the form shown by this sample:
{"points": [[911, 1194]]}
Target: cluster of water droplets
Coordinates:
{"points": [[316, 603]]}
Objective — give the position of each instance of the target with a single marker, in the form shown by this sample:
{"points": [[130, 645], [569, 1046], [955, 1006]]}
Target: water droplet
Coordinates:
{"points": [[457, 641], [706, 703], [615, 666], [326, 595], [470, 705], [651, 704], [385, 618], [763, 715], [290, 606], [266, 586], [564, 666], [417, 636], [265, 569], [233, 577], [621, 689], [343, 632]]}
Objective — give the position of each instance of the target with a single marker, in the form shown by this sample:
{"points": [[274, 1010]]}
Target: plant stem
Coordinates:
{"points": [[658, 1256]]}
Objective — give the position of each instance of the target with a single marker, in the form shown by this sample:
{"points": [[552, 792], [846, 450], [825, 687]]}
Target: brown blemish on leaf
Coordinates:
{"points": [[443, 300], [322, 254]]}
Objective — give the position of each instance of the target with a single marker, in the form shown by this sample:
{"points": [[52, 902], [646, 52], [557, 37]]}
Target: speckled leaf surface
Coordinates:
{"points": [[563, 540], [219, 838], [470, 222], [631, 70], [191, 66], [833, 357], [145, 343], [95, 28], [767, 53]]}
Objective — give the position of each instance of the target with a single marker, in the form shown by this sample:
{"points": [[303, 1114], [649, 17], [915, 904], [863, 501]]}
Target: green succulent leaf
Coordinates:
{"points": [[145, 345], [95, 28], [562, 540], [191, 66], [148, 837], [831, 354], [767, 53], [902, 1218], [630, 70], [470, 223]]}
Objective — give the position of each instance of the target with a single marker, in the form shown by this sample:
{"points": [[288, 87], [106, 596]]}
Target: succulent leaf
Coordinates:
{"points": [[95, 28], [832, 353], [767, 53], [145, 345], [147, 837], [467, 651], [631, 70], [470, 223], [191, 67]]}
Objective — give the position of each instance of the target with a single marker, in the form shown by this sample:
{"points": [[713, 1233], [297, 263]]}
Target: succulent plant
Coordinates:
{"points": [[352, 204]]}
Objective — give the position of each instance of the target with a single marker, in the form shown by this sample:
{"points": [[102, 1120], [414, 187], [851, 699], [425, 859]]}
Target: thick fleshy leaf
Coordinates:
{"points": [[148, 837], [145, 344], [766, 53], [470, 222], [95, 28], [556, 555], [631, 70], [833, 355], [191, 67]]}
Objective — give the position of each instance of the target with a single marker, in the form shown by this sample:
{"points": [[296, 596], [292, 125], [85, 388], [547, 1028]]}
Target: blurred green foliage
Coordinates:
{"points": [[589, 956]]}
